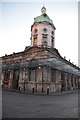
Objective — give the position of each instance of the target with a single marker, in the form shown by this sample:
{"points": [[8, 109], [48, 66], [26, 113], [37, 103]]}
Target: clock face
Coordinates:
{"points": [[35, 31]]}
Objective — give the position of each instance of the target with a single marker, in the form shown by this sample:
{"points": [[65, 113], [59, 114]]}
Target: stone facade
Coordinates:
{"points": [[29, 69], [40, 67]]}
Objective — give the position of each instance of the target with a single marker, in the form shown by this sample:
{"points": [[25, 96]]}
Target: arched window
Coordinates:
{"points": [[35, 41], [52, 41], [35, 31], [52, 32]]}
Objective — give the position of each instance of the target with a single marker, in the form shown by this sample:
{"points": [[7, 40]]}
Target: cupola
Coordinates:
{"points": [[43, 30]]}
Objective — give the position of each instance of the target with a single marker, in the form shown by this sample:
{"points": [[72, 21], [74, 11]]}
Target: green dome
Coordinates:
{"points": [[43, 18]]}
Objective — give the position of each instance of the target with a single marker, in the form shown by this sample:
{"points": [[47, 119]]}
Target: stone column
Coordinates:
{"points": [[66, 82], [20, 75], [57, 81], [21, 79], [73, 82], [58, 76], [11, 79], [45, 74], [49, 74], [70, 86], [39, 79], [27, 78], [27, 75], [46, 79], [76, 82]]}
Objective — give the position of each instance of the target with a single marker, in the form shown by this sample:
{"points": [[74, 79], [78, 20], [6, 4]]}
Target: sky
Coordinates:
{"points": [[17, 17]]}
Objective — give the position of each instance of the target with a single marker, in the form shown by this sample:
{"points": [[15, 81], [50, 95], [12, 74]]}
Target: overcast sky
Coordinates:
{"points": [[18, 16]]}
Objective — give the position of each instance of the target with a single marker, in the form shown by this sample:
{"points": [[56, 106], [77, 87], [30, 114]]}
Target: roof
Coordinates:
{"points": [[43, 18]]}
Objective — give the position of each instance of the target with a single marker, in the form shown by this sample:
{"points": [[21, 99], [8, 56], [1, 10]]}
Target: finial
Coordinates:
{"points": [[43, 9]]}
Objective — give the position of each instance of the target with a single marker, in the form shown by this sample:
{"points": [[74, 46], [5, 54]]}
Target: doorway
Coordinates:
{"points": [[15, 79]]}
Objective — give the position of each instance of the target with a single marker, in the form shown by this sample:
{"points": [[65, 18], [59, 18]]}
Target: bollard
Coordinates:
{"points": [[61, 89], [2, 85], [42, 89], [19, 88], [33, 90], [47, 90]]}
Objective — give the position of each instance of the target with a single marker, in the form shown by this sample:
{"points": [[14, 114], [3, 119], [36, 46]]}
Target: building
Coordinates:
{"points": [[40, 67]]}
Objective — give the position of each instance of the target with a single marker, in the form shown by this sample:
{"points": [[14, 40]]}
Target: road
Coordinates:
{"points": [[18, 105]]}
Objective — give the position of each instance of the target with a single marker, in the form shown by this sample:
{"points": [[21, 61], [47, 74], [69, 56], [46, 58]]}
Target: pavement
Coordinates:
{"points": [[36, 93], [19, 105]]}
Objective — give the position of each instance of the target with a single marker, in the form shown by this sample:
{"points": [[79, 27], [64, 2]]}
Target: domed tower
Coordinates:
{"points": [[43, 30]]}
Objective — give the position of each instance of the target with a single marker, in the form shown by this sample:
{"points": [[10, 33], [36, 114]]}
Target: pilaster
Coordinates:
{"points": [[69, 77], [11, 79], [44, 73], [73, 82], [57, 81], [21, 81], [66, 81], [49, 74]]}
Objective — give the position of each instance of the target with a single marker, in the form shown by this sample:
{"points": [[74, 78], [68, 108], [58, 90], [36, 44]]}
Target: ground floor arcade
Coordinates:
{"points": [[39, 78]]}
